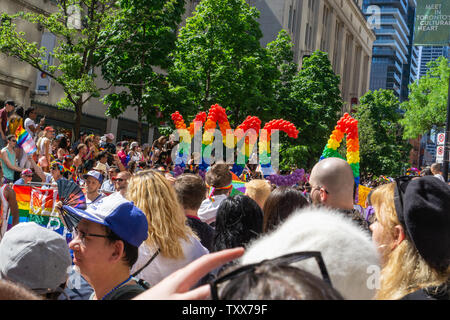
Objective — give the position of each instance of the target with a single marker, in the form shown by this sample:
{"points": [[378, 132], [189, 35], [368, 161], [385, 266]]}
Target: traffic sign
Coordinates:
{"points": [[440, 154], [441, 139]]}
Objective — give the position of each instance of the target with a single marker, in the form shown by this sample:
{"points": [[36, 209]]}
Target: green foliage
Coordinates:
{"points": [[139, 39], [218, 59], [382, 148], [313, 102], [75, 54], [427, 104]]}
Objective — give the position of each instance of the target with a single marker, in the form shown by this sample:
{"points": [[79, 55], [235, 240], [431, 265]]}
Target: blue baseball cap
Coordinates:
{"points": [[127, 221], [95, 174]]}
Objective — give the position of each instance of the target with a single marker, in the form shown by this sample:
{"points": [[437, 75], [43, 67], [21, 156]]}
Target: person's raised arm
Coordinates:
{"points": [[119, 163], [177, 285], [36, 168], [12, 201]]}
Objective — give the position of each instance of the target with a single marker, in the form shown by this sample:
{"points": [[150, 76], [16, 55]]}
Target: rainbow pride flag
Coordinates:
{"points": [[238, 185], [38, 205], [25, 141]]}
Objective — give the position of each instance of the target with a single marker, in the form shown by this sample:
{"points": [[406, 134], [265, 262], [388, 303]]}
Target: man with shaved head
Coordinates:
{"points": [[332, 185]]}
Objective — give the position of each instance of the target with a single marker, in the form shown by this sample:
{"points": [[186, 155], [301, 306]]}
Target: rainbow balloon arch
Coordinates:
{"points": [[231, 139]]}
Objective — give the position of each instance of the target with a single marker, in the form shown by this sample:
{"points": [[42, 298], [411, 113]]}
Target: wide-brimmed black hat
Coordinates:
{"points": [[423, 209]]}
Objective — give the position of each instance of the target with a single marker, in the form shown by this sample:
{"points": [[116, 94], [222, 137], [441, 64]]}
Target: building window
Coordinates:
{"points": [[290, 18]]}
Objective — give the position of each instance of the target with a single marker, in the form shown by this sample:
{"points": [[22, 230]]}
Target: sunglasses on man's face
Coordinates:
{"points": [[284, 260], [118, 179]]}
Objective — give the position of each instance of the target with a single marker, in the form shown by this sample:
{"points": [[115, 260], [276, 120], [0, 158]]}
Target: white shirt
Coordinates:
{"points": [[440, 177], [161, 266], [29, 123], [208, 209], [97, 199]]}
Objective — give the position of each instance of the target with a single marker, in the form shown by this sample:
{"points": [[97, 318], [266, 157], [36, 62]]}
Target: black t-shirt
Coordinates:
{"points": [[126, 292], [204, 231]]}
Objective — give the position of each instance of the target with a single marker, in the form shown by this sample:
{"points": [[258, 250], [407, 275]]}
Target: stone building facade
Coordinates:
{"points": [[337, 27]]}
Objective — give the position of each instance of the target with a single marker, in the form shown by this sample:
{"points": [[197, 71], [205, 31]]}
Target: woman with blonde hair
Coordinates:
{"points": [[168, 232], [411, 232]]}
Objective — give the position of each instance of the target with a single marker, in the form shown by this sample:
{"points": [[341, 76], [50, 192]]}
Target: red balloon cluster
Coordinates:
{"points": [[349, 126], [250, 123], [284, 126], [177, 118], [201, 117], [217, 113]]}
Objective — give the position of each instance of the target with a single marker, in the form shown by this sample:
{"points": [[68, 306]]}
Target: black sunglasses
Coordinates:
{"points": [[282, 260]]}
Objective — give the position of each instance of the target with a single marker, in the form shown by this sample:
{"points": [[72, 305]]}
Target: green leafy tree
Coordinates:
{"points": [[137, 43], [314, 103], [76, 54], [382, 148], [427, 104], [218, 59]]}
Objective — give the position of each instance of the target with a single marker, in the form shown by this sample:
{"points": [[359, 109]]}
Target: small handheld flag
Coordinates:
{"points": [[25, 141]]}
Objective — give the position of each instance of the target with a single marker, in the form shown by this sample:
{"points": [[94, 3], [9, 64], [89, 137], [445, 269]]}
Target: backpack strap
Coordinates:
{"points": [[148, 262]]}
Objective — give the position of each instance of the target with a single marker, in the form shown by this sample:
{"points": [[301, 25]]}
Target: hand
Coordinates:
{"points": [[176, 286], [59, 205], [170, 178], [42, 121]]}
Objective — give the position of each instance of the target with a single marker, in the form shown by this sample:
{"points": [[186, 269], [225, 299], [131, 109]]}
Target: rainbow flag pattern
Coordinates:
{"points": [[238, 185], [25, 141], [349, 126], [38, 205]]}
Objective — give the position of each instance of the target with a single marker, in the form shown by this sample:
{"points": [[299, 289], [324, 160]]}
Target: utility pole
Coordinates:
{"points": [[447, 134]]}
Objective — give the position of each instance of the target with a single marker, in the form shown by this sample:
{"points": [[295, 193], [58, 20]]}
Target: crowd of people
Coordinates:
{"points": [[147, 233]]}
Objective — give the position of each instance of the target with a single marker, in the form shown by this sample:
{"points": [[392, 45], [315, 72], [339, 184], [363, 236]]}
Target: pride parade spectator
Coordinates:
{"points": [[8, 160], [171, 244], [218, 180], [281, 203], [108, 184], [9, 106], [94, 180], [105, 247], [121, 182], [36, 258], [25, 177], [9, 206], [191, 191], [412, 238]]}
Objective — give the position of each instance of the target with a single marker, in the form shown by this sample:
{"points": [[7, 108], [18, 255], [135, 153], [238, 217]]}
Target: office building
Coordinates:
{"points": [[394, 59], [337, 27]]}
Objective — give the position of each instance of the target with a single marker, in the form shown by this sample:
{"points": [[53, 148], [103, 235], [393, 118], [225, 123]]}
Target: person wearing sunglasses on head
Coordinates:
{"points": [[276, 279], [411, 231], [9, 160]]}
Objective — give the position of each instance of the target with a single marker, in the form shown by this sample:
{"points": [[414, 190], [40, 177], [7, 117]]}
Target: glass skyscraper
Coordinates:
{"points": [[395, 59], [427, 54]]}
